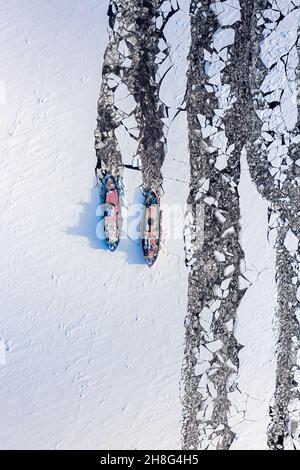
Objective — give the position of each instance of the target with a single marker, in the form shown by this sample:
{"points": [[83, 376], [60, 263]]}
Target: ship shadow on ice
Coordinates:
{"points": [[89, 224], [132, 250]]}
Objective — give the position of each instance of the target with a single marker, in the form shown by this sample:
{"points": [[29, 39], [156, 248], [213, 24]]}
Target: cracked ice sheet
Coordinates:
{"points": [[254, 327], [176, 164], [178, 38], [280, 41], [284, 203], [177, 34], [228, 11]]}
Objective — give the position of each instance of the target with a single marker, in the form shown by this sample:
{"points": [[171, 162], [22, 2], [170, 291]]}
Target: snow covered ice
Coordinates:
{"points": [[200, 351]]}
